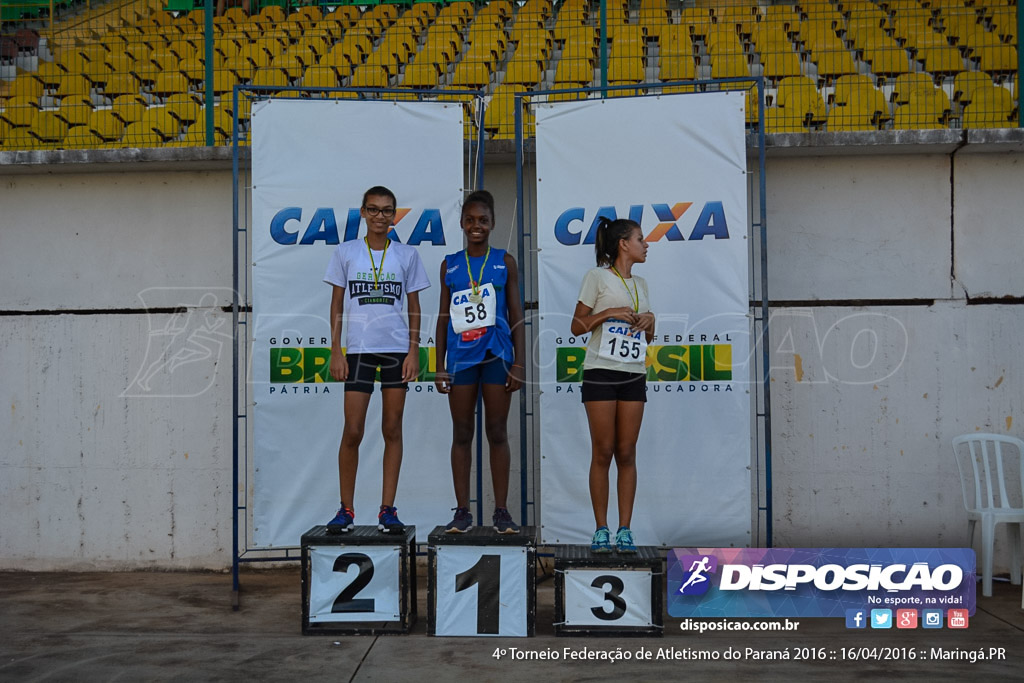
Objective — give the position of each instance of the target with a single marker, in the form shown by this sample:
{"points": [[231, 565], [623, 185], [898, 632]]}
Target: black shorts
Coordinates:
{"points": [[613, 385], [362, 371]]}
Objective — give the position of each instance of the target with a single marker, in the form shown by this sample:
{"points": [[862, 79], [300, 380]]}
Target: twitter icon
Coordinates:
{"points": [[881, 618]]}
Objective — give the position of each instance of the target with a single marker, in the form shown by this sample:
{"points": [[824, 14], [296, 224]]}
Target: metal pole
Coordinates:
{"points": [[1020, 66], [521, 256], [208, 70], [604, 47], [765, 353], [234, 364]]}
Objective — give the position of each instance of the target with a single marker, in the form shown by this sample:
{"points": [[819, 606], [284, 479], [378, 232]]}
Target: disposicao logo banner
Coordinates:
{"points": [[817, 582]]}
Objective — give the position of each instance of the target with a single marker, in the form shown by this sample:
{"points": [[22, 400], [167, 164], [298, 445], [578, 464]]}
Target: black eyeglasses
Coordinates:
{"points": [[387, 212]]}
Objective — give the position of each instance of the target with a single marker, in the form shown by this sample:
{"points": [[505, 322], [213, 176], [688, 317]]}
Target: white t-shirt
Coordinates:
{"points": [[602, 289], [375, 321]]}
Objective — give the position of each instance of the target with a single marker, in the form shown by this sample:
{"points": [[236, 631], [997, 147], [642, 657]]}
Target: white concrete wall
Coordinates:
{"points": [[117, 449]]}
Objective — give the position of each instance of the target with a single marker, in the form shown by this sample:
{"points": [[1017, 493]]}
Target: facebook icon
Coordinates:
{"points": [[856, 618]]}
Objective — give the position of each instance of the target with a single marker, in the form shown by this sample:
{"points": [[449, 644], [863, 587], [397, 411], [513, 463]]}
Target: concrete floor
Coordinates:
{"points": [[144, 626]]}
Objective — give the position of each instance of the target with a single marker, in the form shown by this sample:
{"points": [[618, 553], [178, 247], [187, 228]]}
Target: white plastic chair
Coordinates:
{"points": [[986, 461]]}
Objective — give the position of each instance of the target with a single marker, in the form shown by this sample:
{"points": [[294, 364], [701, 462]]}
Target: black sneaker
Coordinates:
{"points": [[387, 520], [503, 523], [461, 523], [342, 521]]}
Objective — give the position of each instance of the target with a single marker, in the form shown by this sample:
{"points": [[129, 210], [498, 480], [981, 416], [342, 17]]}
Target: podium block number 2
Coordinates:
{"points": [[608, 597], [354, 583], [481, 591]]}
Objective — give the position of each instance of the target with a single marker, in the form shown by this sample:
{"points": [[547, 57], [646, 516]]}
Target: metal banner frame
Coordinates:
{"points": [[243, 550], [758, 266]]}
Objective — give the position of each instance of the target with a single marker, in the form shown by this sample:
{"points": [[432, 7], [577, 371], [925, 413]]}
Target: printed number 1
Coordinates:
{"points": [[346, 601], [486, 575], [612, 595]]}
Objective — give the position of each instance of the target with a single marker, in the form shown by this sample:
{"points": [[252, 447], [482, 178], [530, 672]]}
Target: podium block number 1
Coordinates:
{"points": [[481, 591], [349, 585]]}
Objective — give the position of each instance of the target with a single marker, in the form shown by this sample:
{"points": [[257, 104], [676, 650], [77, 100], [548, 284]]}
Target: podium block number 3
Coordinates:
{"points": [[481, 591], [608, 597], [354, 585]]}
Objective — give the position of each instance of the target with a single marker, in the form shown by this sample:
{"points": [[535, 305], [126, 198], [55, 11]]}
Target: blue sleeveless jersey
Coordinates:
{"points": [[498, 338]]}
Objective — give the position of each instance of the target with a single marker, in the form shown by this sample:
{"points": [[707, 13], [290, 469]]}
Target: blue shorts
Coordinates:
{"points": [[492, 370]]}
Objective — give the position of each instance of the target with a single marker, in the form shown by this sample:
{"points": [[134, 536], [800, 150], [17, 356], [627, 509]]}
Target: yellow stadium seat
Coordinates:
{"points": [[168, 83], [19, 112], [106, 126], [162, 123], [80, 137], [912, 117], [523, 72], [729, 66], [832, 64], [779, 65], [677, 68], [128, 108], [241, 67], [851, 118], [907, 83], [574, 71], [337, 60], [996, 58], [183, 107], [48, 129], [271, 77], [626, 69], [74, 85], [783, 121], [966, 82], [369, 76], [25, 85], [846, 84], [320, 76], [75, 110], [290, 65], [471, 75], [940, 59]]}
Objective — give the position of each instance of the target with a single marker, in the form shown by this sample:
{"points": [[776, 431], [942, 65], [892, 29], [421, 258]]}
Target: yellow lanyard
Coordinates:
{"points": [[634, 295], [373, 265], [476, 283]]}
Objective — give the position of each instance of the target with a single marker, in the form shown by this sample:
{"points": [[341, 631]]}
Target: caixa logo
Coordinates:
{"points": [[711, 222], [288, 226]]}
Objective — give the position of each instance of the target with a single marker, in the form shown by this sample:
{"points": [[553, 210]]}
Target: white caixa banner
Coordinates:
{"points": [[676, 164], [311, 162]]}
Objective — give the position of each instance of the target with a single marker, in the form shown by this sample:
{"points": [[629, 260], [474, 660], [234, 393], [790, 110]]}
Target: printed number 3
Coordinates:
{"points": [[346, 601], [612, 595]]}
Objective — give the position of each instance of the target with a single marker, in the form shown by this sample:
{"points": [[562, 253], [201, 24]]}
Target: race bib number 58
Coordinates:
{"points": [[467, 313]]}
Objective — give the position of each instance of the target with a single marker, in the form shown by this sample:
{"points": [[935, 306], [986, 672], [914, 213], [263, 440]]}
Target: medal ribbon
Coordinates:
{"points": [[634, 296], [475, 284], [373, 266]]}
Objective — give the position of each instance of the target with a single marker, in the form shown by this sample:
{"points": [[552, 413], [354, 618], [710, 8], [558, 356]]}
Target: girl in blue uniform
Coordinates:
{"points": [[480, 349]]}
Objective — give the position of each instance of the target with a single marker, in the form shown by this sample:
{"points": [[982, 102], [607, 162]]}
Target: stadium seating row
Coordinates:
{"points": [[129, 66]]}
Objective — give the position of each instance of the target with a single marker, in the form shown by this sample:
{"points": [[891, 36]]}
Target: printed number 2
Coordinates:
{"points": [[612, 595], [346, 602], [486, 575]]}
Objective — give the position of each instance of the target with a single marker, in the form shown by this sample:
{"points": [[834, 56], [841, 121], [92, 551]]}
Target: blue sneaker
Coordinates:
{"points": [[462, 522], [624, 541], [387, 520], [503, 523], [342, 521], [601, 543]]}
